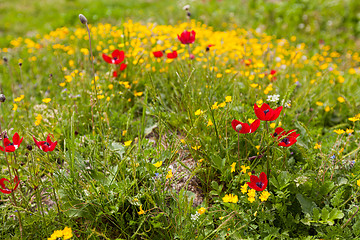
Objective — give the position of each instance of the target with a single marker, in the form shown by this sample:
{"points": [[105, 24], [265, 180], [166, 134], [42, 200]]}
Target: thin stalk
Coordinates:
{"points": [[53, 188]]}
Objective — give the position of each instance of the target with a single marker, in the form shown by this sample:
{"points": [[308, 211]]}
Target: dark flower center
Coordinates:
{"points": [[115, 58], [275, 134], [266, 111], [11, 144], [285, 140], [47, 144], [259, 184]]}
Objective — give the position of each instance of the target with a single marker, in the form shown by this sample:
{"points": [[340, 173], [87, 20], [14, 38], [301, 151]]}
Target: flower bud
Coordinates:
{"points": [[29, 147], [2, 98], [5, 59], [83, 19]]}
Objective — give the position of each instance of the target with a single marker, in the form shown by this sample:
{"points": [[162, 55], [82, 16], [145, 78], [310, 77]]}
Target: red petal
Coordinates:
{"points": [[276, 113], [2, 184], [48, 139], [254, 126], [107, 58], [123, 66], [1, 148], [115, 74], [115, 53], [52, 146], [10, 148], [253, 186], [6, 142], [158, 54], [259, 113], [16, 139]]}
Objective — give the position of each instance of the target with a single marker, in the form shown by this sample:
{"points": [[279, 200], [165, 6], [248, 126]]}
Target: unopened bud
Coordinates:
{"points": [[20, 64], [188, 14], [2, 98], [83, 19], [29, 147], [5, 59], [238, 127]]}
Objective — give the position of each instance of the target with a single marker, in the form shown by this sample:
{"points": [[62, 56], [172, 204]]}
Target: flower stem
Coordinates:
{"points": [[54, 193]]}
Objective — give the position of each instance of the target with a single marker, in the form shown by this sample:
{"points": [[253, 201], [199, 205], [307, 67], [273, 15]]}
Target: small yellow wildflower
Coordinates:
{"points": [[230, 198], [341, 99], [244, 168], [349, 131], [358, 182], [339, 131], [228, 99], [124, 132], [111, 86], [244, 188], [317, 146], [264, 196], [210, 123], [15, 107], [158, 164], [169, 174], [221, 218], [250, 120], [272, 125], [251, 199], [201, 210], [233, 167], [196, 148], [257, 147], [319, 103], [46, 100], [127, 143], [182, 141], [259, 103], [354, 119], [18, 99], [64, 234], [352, 71], [138, 94], [215, 106], [141, 210], [327, 109], [251, 193], [198, 112], [38, 120]]}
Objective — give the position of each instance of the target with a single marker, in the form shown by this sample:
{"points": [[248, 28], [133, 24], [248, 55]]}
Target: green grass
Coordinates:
{"points": [[177, 114]]}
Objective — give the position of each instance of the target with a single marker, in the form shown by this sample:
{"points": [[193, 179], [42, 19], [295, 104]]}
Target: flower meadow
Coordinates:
{"points": [[148, 131]]}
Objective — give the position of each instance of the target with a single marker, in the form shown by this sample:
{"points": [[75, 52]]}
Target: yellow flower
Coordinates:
{"points": [[158, 164], [319, 103], [254, 85], [127, 143], [111, 86], [251, 199], [169, 174], [339, 131], [196, 147], [182, 141], [198, 112], [233, 167], [327, 109], [259, 103], [341, 99], [215, 106], [210, 123], [219, 75], [38, 120], [358, 182], [354, 119], [264, 196], [352, 71], [141, 210], [251, 193], [243, 168], [138, 94], [349, 131], [244, 188], [272, 125], [124, 132], [230, 198], [228, 99], [201, 210], [15, 107], [250, 120], [317, 146], [223, 104], [18, 99], [257, 147], [46, 100], [67, 233]]}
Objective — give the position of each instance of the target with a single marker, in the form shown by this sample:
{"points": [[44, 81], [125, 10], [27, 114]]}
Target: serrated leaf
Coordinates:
{"points": [[324, 214], [306, 204]]}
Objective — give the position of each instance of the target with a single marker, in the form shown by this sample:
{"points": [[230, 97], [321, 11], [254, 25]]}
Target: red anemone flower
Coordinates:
{"points": [[265, 113], [158, 54], [259, 184], [172, 55], [5, 189], [244, 127], [11, 146], [116, 57], [46, 146], [272, 72], [209, 46], [187, 37], [286, 139], [123, 66]]}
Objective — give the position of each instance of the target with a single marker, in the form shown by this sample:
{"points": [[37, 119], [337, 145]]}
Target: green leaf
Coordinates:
{"points": [[316, 214], [306, 204], [324, 214], [336, 214]]}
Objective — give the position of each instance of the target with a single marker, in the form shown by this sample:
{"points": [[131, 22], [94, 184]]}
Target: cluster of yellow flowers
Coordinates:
{"points": [[65, 234], [230, 198]]}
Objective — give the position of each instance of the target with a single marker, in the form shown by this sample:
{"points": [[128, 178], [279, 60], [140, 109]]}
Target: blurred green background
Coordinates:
{"points": [[334, 22]]}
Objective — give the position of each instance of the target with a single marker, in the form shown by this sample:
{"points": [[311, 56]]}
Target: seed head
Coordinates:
{"points": [[238, 127], [186, 7], [83, 19], [2, 98], [29, 147]]}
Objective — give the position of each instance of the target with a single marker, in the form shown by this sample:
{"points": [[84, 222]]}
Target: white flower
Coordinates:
{"points": [[273, 98], [194, 217], [186, 7]]}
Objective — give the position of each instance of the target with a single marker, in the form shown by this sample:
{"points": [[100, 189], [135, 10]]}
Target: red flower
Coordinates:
{"points": [[46, 146], [247, 62], [273, 72], [172, 55], [286, 139], [115, 74], [5, 189], [258, 184], [187, 37], [209, 46], [244, 127], [123, 66], [11, 146], [158, 54], [265, 113], [117, 57]]}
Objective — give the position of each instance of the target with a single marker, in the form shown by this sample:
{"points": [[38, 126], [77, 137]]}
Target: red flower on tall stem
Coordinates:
{"points": [[158, 54], [116, 57], [11, 146], [286, 139], [243, 128], [5, 189], [266, 113], [259, 184], [46, 146], [187, 37], [172, 55]]}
